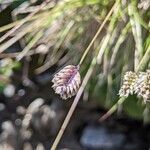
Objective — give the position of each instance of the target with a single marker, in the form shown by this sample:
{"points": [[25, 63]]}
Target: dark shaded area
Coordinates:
{"points": [[47, 113]]}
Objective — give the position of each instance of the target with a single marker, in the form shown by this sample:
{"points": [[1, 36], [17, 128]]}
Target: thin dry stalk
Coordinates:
{"points": [[21, 34], [112, 110], [52, 59], [30, 45], [4, 46], [10, 32], [97, 33], [85, 80], [74, 104], [8, 26]]}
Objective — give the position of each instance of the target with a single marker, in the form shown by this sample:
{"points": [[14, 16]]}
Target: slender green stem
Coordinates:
{"points": [[145, 60], [113, 109], [118, 43]]}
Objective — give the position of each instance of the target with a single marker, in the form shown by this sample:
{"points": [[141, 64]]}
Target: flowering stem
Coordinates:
{"points": [[85, 80], [74, 104], [141, 67]]}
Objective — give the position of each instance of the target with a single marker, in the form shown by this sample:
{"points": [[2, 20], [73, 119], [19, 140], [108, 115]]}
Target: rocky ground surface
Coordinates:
{"points": [[31, 116]]}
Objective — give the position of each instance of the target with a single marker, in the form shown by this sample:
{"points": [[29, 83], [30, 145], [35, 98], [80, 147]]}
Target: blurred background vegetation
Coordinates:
{"points": [[38, 37]]}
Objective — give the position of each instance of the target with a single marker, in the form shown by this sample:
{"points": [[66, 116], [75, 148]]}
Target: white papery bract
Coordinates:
{"points": [[128, 84], [142, 85]]}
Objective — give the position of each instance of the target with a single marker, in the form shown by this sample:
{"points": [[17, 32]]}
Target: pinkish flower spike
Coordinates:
{"points": [[67, 81]]}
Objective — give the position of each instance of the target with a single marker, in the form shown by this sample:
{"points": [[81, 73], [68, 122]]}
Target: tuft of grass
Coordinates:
{"points": [[66, 28]]}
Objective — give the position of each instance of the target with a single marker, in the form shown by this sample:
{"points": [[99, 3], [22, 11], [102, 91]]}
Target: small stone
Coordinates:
{"points": [[18, 122], [8, 135], [42, 48], [9, 90], [35, 105], [21, 92], [40, 147], [27, 146], [9, 127], [26, 134], [21, 110], [100, 138], [2, 106]]}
